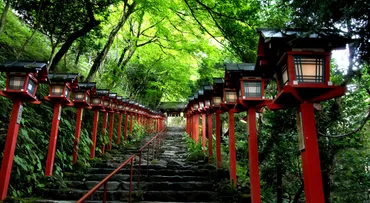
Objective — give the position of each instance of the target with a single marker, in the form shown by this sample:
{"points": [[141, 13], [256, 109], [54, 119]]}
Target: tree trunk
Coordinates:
{"points": [[3, 15], [129, 56], [77, 59], [279, 178], [297, 196], [122, 55], [27, 42], [102, 55], [68, 43]]}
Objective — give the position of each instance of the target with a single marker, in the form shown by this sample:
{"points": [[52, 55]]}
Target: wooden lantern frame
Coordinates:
{"points": [[86, 89], [30, 71]]}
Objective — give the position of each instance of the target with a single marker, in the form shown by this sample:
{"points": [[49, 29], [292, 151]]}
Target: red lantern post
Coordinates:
{"points": [[81, 100], [251, 98], [97, 105], [113, 109], [120, 107], [302, 69], [22, 82], [60, 89], [216, 101], [229, 102]]}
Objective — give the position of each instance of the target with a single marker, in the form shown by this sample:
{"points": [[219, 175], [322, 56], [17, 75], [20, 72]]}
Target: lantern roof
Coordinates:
{"points": [[336, 39], [191, 98], [218, 85], [86, 86], [131, 102], [102, 92], [63, 77], [39, 67], [112, 95], [239, 67], [196, 95], [274, 43], [201, 92], [207, 88]]}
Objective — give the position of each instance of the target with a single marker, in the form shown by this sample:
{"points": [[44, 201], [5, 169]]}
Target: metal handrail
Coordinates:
{"points": [[131, 159], [105, 182], [156, 140]]}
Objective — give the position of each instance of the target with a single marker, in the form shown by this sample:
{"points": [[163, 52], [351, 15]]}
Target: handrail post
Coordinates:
{"points": [[139, 171], [129, 197], [147, 161], [105, 192]]}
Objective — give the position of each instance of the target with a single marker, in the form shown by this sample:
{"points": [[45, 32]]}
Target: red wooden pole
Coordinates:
{"points": [[232, 150], [210, 138], [10, 144], [53, 139], [104, 130], [79, 114], [204, 138], [253, 157], [130, 124], [119, 128], [111, 125], [94, 133], [310, 156], [126, 126], [196, 127], [218, 139]]}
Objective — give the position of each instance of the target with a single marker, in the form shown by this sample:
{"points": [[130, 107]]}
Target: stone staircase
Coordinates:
{"points": [[168, 178]]}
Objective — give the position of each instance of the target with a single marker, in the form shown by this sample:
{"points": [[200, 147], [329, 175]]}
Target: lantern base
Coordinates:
{"points": [[227, 106], [258, 104], [292, 96], [23, 96], [63, 100], [81, 104]]}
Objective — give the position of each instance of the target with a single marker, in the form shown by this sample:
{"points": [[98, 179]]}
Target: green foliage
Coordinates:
{"points": [[195, 151]]}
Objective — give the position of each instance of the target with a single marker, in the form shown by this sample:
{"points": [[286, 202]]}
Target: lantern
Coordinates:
{"points": [[252, 88], [98, 98], [81, 94], [207, 103], [230, 96], [120, 105], [21, 86], [23, 78], [60, 87], [216, 101]]}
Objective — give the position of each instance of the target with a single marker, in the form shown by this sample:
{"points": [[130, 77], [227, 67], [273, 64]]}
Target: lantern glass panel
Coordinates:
{"points": [[309, 69], [231, 96], [66, 93], [31, 87], [120, 106], [201, 105], [87, 98], [106, 103], [16, 82], [284, 75], [196, 106], [79, 96], [96, 100], [217, 101], [57, 90], [207, 103], [252, 88], [114, 105]]}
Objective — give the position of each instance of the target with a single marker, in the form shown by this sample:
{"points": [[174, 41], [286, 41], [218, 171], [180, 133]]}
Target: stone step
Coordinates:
{"points": [[167, 172], [75, 194], [145, 186], [112, 185], [126, 177], [184, 196]]}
